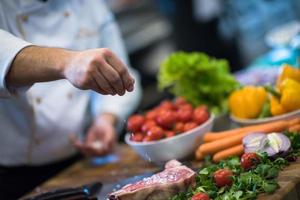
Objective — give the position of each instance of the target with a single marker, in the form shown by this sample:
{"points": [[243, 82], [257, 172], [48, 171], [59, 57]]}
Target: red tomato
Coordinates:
{"points": [[168, 105], [166, 118], [147, 139], [135, 122], [147, 125], [249, 160], [186, 106], [189, 126], [223, 177], [200, 115], [179, 127], [151, 115], [180, 101], [137, 137], [170, 134], [200, 196], [155, 133], [184, 115]]}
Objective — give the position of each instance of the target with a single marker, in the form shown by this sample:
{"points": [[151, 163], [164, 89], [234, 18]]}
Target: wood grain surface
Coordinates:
{"points": [[130, 164]]}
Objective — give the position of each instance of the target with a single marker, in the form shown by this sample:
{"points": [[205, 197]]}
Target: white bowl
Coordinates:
{"points": [[178, 147], [246, 122]]}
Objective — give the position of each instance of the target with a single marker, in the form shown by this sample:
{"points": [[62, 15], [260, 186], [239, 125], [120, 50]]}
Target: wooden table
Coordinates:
{"points": [[130, 164]]}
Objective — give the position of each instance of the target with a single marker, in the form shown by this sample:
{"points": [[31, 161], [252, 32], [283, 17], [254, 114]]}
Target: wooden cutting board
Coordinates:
{"points": [[129, 164]]}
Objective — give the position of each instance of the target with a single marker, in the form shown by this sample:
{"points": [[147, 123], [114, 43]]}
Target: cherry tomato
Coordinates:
{"points": [[169, 134], [179, 127], [179, 101], [200, 196], [166, 118], [135, 122], [200, 115], [186, 106], [184, 115], [249, 160], [147, 125], [147, 139], [222, 177], [189, 126], [155, 133], [137, 137], [151, 115], [168, 105]]}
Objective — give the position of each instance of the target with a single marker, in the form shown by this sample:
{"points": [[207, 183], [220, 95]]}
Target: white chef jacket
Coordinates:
{"points": [[35, 122]]}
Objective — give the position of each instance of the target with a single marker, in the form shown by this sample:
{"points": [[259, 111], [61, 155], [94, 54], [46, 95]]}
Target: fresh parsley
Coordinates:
{"points": [[247, 185]]}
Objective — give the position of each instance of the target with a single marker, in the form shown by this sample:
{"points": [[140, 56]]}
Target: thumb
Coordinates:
{"points": [[74, 139]]}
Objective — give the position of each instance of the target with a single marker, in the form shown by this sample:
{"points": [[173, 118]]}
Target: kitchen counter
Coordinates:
{"points": [[126, 163]]}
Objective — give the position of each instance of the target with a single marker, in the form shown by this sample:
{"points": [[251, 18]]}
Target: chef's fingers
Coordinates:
{"points": [[78, 144], [110, 141], [112, 77], [83, 148], [97, 88], [92, 151], [103, 83], [91, 135], [74, 139], [121, 68], [89, 150]]}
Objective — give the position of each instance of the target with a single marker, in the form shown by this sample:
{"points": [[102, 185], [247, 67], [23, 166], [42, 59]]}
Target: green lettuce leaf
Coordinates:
{"points": [[198, 78]]}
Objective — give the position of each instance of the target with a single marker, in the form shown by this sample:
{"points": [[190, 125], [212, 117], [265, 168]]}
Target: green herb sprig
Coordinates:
{"points": [[247, 185]]}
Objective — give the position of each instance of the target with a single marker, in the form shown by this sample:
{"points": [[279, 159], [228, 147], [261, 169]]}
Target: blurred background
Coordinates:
{"points": [[246, 33]]}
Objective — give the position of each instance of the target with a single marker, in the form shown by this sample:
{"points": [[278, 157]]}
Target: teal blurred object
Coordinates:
{"points": [[285, 47], [277, 57]]}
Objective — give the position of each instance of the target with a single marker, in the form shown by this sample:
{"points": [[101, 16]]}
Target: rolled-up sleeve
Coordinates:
{"points": [[10, 46]]}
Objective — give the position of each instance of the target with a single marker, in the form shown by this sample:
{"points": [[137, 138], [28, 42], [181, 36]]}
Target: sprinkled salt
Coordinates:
{"points": [[97, 144]]}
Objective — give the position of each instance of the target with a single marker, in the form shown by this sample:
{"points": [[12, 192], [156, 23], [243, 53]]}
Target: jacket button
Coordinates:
{"points": [[70, 96], [38, 100], [66, 14], [37, 141]]}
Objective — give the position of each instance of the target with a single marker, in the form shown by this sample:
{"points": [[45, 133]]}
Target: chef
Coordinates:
{"points": [[59, 62]]}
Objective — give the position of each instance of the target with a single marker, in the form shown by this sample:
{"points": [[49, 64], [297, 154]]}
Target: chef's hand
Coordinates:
{"points": [[96, 69], [100, 138], [100, 70]]}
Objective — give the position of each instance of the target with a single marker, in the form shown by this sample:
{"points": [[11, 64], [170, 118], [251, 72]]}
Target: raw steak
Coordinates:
{"points": [[161, 186]]}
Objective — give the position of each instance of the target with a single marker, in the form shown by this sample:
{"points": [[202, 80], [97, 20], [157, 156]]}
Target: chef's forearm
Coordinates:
{"points": [[96, 69], [37, 64]]}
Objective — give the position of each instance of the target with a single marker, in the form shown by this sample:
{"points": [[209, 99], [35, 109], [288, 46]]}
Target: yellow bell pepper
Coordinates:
{"points": [[290, 95], [247, 102], [288, 72], [276, 107]]}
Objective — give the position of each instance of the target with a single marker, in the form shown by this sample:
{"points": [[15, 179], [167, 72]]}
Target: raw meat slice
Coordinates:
{"points": [[161, 186]]}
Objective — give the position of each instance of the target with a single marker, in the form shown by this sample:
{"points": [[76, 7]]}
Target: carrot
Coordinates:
{"points": [[227, 142], [232, 151], [199, 155], [295, 128], [219, 145], [267, 127], [212, 136], [294, 121]]}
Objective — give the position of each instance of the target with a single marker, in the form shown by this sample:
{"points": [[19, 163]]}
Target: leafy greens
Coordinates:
{"points": [[198, 78], [246, 184]]}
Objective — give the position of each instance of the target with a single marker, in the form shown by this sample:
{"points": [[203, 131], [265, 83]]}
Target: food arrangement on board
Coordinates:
{"points": [[270, 102], [238, 163]]}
